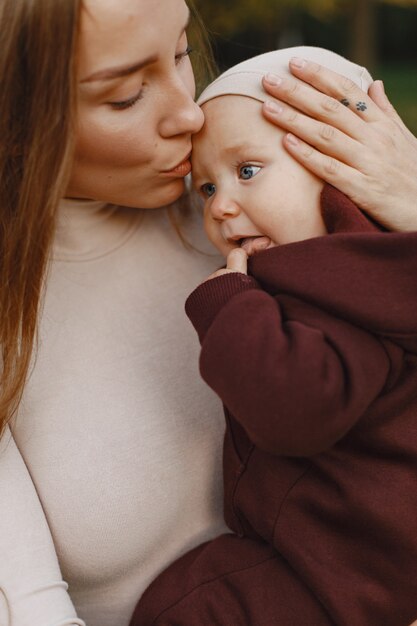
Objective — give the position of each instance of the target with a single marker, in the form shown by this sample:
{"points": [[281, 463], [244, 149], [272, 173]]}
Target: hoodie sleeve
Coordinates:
{"points": [[297, 379]]}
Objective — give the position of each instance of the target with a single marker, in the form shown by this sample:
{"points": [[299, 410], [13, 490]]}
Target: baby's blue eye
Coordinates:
{"points": [[208, 189], [248, 171]]}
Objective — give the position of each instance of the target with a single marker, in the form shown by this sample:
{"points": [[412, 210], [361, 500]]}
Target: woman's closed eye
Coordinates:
{"points": [[247, 171], [129, 102], [126, 104]]}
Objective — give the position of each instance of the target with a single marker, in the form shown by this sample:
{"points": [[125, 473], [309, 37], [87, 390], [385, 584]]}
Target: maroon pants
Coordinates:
{"points": [[229, 582]]}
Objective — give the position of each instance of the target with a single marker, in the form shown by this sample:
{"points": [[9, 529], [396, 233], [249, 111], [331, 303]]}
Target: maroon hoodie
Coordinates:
{"points": [[314, 355]]}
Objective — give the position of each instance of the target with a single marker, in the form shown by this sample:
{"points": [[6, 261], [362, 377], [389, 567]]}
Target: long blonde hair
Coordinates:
{"points": [[38, 40]]}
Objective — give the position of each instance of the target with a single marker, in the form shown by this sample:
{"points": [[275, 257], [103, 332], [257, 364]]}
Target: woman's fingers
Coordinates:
{"points": [[346, 178], [303, 98], [377, 107], [339, 87], [378, 95], [322, 136], [340, 105], [386, 188]]}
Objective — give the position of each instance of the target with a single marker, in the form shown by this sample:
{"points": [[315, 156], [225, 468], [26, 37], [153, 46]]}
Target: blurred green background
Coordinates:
{"points": [[379, 34]]}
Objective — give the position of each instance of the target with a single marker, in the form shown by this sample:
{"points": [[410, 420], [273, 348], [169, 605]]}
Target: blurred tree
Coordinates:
{"points": [[237, 15], [271, 17], [363, 32]]}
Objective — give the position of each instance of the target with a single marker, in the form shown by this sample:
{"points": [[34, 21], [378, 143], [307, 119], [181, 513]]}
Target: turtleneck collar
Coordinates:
{"points": [[89, 229]]}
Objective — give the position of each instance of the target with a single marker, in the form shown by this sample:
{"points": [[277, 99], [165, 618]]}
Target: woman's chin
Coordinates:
{"points": [[164, 195], [174, 191], [153, 199]]}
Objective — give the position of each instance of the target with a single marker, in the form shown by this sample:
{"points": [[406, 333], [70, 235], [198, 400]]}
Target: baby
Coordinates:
{"points": [[314, 355], [255, 194]]}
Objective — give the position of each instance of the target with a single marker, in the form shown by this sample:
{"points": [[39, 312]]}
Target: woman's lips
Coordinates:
{"points": [[252, 245], [180, 170]]}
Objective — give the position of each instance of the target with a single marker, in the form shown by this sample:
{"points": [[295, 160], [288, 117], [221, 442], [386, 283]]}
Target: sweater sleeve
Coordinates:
{"points": [[32, 592], [207, 299], [296, 378]]}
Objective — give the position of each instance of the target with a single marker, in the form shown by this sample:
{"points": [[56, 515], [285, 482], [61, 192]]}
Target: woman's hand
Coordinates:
{"points": [[354, 141], [237, 261]]}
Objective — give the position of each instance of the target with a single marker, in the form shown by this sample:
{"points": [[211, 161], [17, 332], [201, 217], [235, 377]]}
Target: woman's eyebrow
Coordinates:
{"points": [[118, 72], [126, 70]]}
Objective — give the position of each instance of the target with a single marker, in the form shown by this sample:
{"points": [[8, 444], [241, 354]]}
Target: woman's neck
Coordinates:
{"points": [[88, 229]]}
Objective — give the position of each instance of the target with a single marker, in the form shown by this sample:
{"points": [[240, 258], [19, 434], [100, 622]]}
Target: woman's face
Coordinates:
{"points": [[136, 112]]}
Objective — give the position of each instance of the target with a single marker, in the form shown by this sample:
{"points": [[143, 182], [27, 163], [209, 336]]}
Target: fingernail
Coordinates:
{"points": [[273, 79], [381, 84], [297, 62], [273, 107], [292, 140]]}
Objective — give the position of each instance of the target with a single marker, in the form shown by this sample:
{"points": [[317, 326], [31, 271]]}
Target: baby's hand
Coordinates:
{"points": [[237, 261]]}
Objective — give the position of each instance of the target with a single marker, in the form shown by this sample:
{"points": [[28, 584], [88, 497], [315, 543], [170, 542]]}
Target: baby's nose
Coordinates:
{"points": [[223, 207]]}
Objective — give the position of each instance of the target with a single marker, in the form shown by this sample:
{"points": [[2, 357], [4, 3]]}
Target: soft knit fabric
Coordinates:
{"points": [[245, 78], [114, 465], [315, 357]]}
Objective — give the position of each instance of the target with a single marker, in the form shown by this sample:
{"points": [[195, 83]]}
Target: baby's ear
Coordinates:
{"points": [[341, 215]]}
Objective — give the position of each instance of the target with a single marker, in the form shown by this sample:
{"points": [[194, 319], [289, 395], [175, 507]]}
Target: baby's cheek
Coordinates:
{"points": [[213, 233]]}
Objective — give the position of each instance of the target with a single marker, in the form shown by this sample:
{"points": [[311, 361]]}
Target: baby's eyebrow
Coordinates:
{"points": [[239, 146]]}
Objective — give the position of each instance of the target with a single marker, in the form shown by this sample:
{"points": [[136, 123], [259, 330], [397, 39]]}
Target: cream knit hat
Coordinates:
{"points": [[244, 79]]}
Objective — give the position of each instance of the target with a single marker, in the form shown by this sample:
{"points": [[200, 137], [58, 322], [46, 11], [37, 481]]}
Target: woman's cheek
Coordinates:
{"points": [[112, 141]]}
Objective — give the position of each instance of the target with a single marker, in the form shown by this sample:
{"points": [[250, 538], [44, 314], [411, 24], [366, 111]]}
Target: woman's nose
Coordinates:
{"points": [[184, 116]]}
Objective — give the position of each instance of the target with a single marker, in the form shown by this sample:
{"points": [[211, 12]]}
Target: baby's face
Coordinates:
{"points": [[255, 195]]}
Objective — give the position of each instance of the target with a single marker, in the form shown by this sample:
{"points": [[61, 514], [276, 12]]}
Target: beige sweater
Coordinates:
{"points": [[115, 457]]}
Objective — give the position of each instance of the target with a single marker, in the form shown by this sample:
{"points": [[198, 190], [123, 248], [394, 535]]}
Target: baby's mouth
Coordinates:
{"points": [[256, 243]]}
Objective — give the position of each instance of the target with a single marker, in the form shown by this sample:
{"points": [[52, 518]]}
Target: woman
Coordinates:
{"points": [[110, 466]]}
